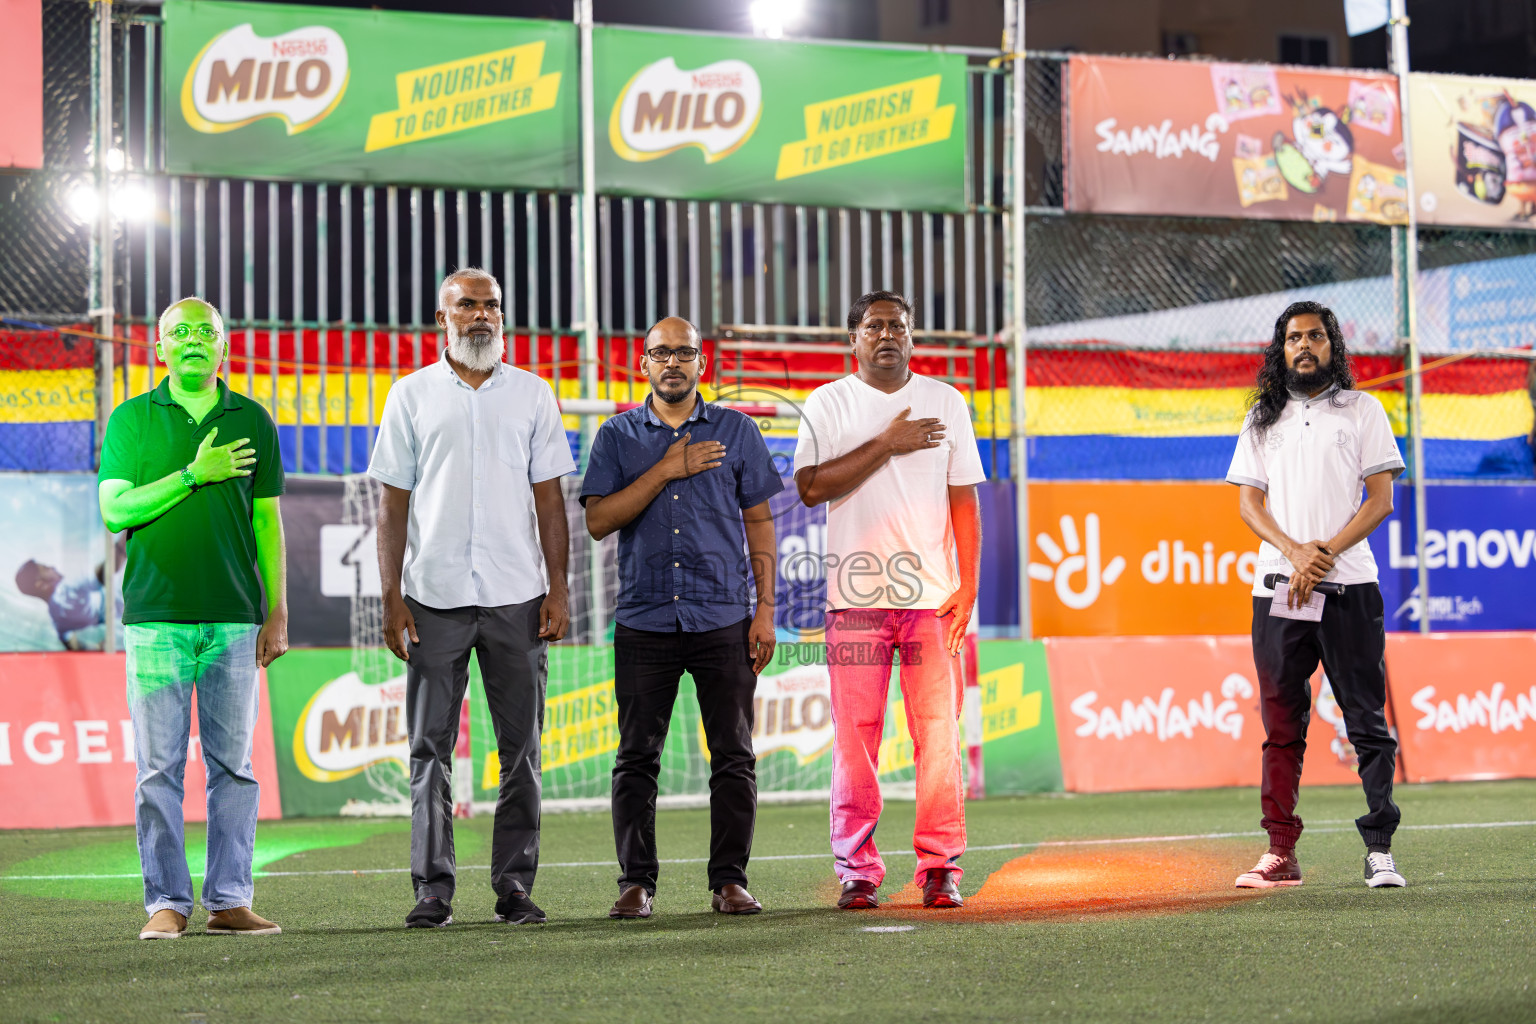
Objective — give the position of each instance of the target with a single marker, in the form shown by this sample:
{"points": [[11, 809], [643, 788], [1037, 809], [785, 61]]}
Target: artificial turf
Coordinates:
{"points": [[1063, 931]]}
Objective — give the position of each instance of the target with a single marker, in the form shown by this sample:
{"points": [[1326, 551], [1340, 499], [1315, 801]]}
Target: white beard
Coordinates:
{"points": [[473, 355]]}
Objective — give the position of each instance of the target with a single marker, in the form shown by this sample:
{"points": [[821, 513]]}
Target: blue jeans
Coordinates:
{"points": [[166, 660]]}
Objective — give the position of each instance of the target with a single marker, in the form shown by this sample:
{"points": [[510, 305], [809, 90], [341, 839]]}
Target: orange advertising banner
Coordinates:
{"points": [[1233, 140], [1140, 713], [1139, 559], [1465, 704], [66, 745]]}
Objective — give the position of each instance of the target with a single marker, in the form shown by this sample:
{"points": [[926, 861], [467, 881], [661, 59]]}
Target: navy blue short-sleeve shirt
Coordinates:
{"points": [[683, 561]]}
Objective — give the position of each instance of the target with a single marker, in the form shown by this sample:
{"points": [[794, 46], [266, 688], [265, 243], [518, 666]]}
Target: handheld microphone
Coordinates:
{"points": [[1334, 589]]}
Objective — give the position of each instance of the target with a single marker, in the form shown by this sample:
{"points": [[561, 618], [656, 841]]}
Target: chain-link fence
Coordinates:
{"points": [[1143, 331]]}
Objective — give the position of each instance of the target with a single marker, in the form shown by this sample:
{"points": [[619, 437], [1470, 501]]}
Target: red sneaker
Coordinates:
{"points": [[1270, 871]]}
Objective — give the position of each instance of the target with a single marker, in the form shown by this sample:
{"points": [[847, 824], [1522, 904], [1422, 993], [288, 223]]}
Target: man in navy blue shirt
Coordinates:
{"points": [[682, 481]]}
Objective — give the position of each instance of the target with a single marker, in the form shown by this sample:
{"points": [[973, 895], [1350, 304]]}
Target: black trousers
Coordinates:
{"points": [[647, 668], [513, 663], [1351, 642]]}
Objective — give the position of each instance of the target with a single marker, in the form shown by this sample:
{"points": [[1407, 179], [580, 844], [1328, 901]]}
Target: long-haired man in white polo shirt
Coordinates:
{"points": [[1311, 442], [472, 556], [893, 454]]}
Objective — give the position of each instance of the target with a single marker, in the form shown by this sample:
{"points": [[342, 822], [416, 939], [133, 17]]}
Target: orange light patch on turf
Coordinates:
{"points": [[1057, 883]]}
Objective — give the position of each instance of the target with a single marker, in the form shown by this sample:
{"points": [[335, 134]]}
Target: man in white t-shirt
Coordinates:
{"points": [[893, 454], [472, 556], [1310, 443]]}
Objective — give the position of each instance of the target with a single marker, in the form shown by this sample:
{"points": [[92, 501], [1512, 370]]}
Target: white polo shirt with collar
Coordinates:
{"points": [[470, 457], [1311, 465]]}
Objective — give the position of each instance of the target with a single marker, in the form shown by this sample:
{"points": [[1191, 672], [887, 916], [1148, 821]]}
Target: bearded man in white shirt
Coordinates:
{"points": [[1309, 446], [894, 455]]}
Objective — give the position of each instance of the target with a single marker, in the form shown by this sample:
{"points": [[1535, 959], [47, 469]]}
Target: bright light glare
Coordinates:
{"points": [[116, 161], [771, 17], [130, 202]]}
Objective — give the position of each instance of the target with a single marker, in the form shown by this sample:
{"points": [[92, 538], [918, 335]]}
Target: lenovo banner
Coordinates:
{"points": [[716, 117], [276, 91], [1136, 713], [1233, 140], [1466, 705], [66, 745]]}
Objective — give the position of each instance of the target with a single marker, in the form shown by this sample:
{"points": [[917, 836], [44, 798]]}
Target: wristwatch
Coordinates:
{"points": [[187, 479]]}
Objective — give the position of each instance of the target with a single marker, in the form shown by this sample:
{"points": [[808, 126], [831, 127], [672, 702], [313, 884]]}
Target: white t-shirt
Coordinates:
{"points": [[470, 457], [890, 543], [1311, 465]]}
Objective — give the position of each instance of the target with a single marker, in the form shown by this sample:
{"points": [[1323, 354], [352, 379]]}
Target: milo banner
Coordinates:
{"points": [[716, 117], [277, 91], [1474, 150], [1233, 140], [342, 747]]}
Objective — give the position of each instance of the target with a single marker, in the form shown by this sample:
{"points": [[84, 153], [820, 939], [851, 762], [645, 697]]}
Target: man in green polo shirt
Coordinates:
{"points": [[202, 521]]}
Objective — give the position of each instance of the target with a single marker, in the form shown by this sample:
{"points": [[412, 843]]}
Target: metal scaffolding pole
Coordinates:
{"points": [[102, 284], [589, 303], [1408, 238], [1017, 449]]}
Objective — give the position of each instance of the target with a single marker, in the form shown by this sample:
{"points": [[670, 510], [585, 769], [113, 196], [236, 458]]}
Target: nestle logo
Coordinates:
{"points": [[717, 80], [298, 48]]}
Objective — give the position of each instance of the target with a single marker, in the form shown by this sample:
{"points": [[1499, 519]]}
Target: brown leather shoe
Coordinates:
{"points": [[940, 892], [165, 924], [633, 901], [858, 894], [733, 899], [239, 921]]}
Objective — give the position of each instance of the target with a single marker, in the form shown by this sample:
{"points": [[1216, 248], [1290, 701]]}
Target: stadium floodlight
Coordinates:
{"points": [[131, 201], [771, 17]]}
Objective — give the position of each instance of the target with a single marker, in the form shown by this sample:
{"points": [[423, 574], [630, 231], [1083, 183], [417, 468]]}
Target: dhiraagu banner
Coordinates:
{"points": [[320, 93], [722, 117]]}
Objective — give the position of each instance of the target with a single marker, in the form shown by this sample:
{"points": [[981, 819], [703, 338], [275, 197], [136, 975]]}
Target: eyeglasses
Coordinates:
{"points": [[181, 332], [662, 354], [897, 327]]}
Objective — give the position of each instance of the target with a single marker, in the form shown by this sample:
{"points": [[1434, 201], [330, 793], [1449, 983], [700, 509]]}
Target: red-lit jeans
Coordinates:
{"points": [[860, 643]]}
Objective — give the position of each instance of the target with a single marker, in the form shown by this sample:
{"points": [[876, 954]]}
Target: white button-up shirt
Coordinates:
{"points": [[1311, 465], [470, 457]]}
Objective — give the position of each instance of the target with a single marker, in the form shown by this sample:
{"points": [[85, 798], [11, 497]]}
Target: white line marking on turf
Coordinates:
{"points": [[889, 928], [1044, 843]]}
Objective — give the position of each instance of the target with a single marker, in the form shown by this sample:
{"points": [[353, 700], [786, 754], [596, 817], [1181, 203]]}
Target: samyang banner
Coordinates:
{"points": [[278, 91], [1474, 150], [719, 117], [1233, 140]]}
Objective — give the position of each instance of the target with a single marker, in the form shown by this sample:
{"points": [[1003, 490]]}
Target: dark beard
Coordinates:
{"points": [[1307, 383]]}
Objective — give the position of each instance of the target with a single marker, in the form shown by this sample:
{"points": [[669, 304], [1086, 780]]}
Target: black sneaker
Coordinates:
{"points": [[430, 912], [1381, 871], [516, 908]]}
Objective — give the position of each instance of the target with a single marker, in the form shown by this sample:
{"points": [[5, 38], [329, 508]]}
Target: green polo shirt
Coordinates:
{"points": [[197, 562]]}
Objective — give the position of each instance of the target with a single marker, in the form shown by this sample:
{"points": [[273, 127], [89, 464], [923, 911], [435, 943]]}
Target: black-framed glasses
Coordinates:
{"points": [[661, 354], [181, 332]]}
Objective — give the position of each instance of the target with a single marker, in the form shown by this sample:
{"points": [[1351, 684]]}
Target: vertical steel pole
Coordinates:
{"points": [[1017, 453], [1407, 316], [102, 290], [296, 245], [346, 334], [589, 327], [322, 316]]}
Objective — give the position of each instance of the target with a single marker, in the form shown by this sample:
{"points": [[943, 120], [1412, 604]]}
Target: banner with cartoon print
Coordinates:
{"points": [[1233, 140], [1474, 150]]}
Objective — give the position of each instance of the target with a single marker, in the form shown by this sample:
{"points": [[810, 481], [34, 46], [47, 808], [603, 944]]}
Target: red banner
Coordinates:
{"points": [[66, 745], [1465, 704], [1137, 713], [21, 83], [1233, 140]]}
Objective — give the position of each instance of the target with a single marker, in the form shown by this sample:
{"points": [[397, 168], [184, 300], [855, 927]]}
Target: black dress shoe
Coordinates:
{"points": [[734, 899], [939, 891], [516, 908], [633, 901], [858, 894]]}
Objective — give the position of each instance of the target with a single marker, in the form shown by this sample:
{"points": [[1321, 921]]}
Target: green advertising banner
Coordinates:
{"points": [[720, 117], [342, 749], [321, 93]]}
